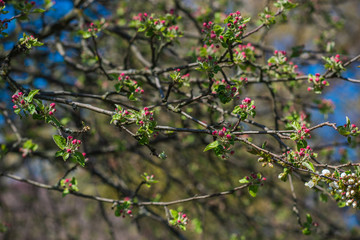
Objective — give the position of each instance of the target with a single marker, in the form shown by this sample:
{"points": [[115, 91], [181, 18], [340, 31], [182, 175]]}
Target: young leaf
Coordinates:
{"points": [[31, 95], [80, 159], [309, 166], [211, 146], [253, 190], [60, 141]]}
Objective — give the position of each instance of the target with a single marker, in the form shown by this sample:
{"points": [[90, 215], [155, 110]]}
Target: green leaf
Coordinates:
{"points": [[306, 231], [65, 156], [32, 109], [174, 213], [60, 141], [80, 159], [301, 144], [309, 166], [308, 218], [253, 190], [65, 192], [244, 180], [38, 10], [211, 146], [31, 95], [17, 111], [54, 120], [59, 153]]}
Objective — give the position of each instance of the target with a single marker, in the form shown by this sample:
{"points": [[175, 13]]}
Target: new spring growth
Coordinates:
{"points": [[244, 53], [318, 82], [280, 66], [254, 181], [131, 87], [247, 107], [225, 92], [334, 64], [72, 144], [178, 219], [180, 79], [124, 209], [68, 185], [18, 100], [234, 28], [149, 179], [223, 144], [345, 188]]}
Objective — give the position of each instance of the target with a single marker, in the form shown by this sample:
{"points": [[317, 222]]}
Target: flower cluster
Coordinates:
{"points": [[69, 148], [223, 144], [267, 17], [24, 103], [235, 27], [18, 100], [72, 144], [301, 158], [225, 92], [145, 120], [130, 86], [28, 147], [68, 185], [179, 219], [347, 189], [244, 53], [326, 106], [149, 179], [51, 109], [124, 209], [318, 81], [27, 42], [247, 107], [334, 64], [163, 27], [121, 115], [209, 65], [349, 129], [302, 132], [180, 79], [280, 66], [254, 181]]}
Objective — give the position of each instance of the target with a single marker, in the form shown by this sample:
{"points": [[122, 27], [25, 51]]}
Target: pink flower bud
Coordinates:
{"points": [[228, 136], [221, 133], [317, 74], [78, 141], [353, 125], [52, 105], [74, 141], [51, 113], [67, 180], [70, 137], [129, 212], [84, 154], [15, 107], [70, 184], [68, 150], [20, 93]]}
